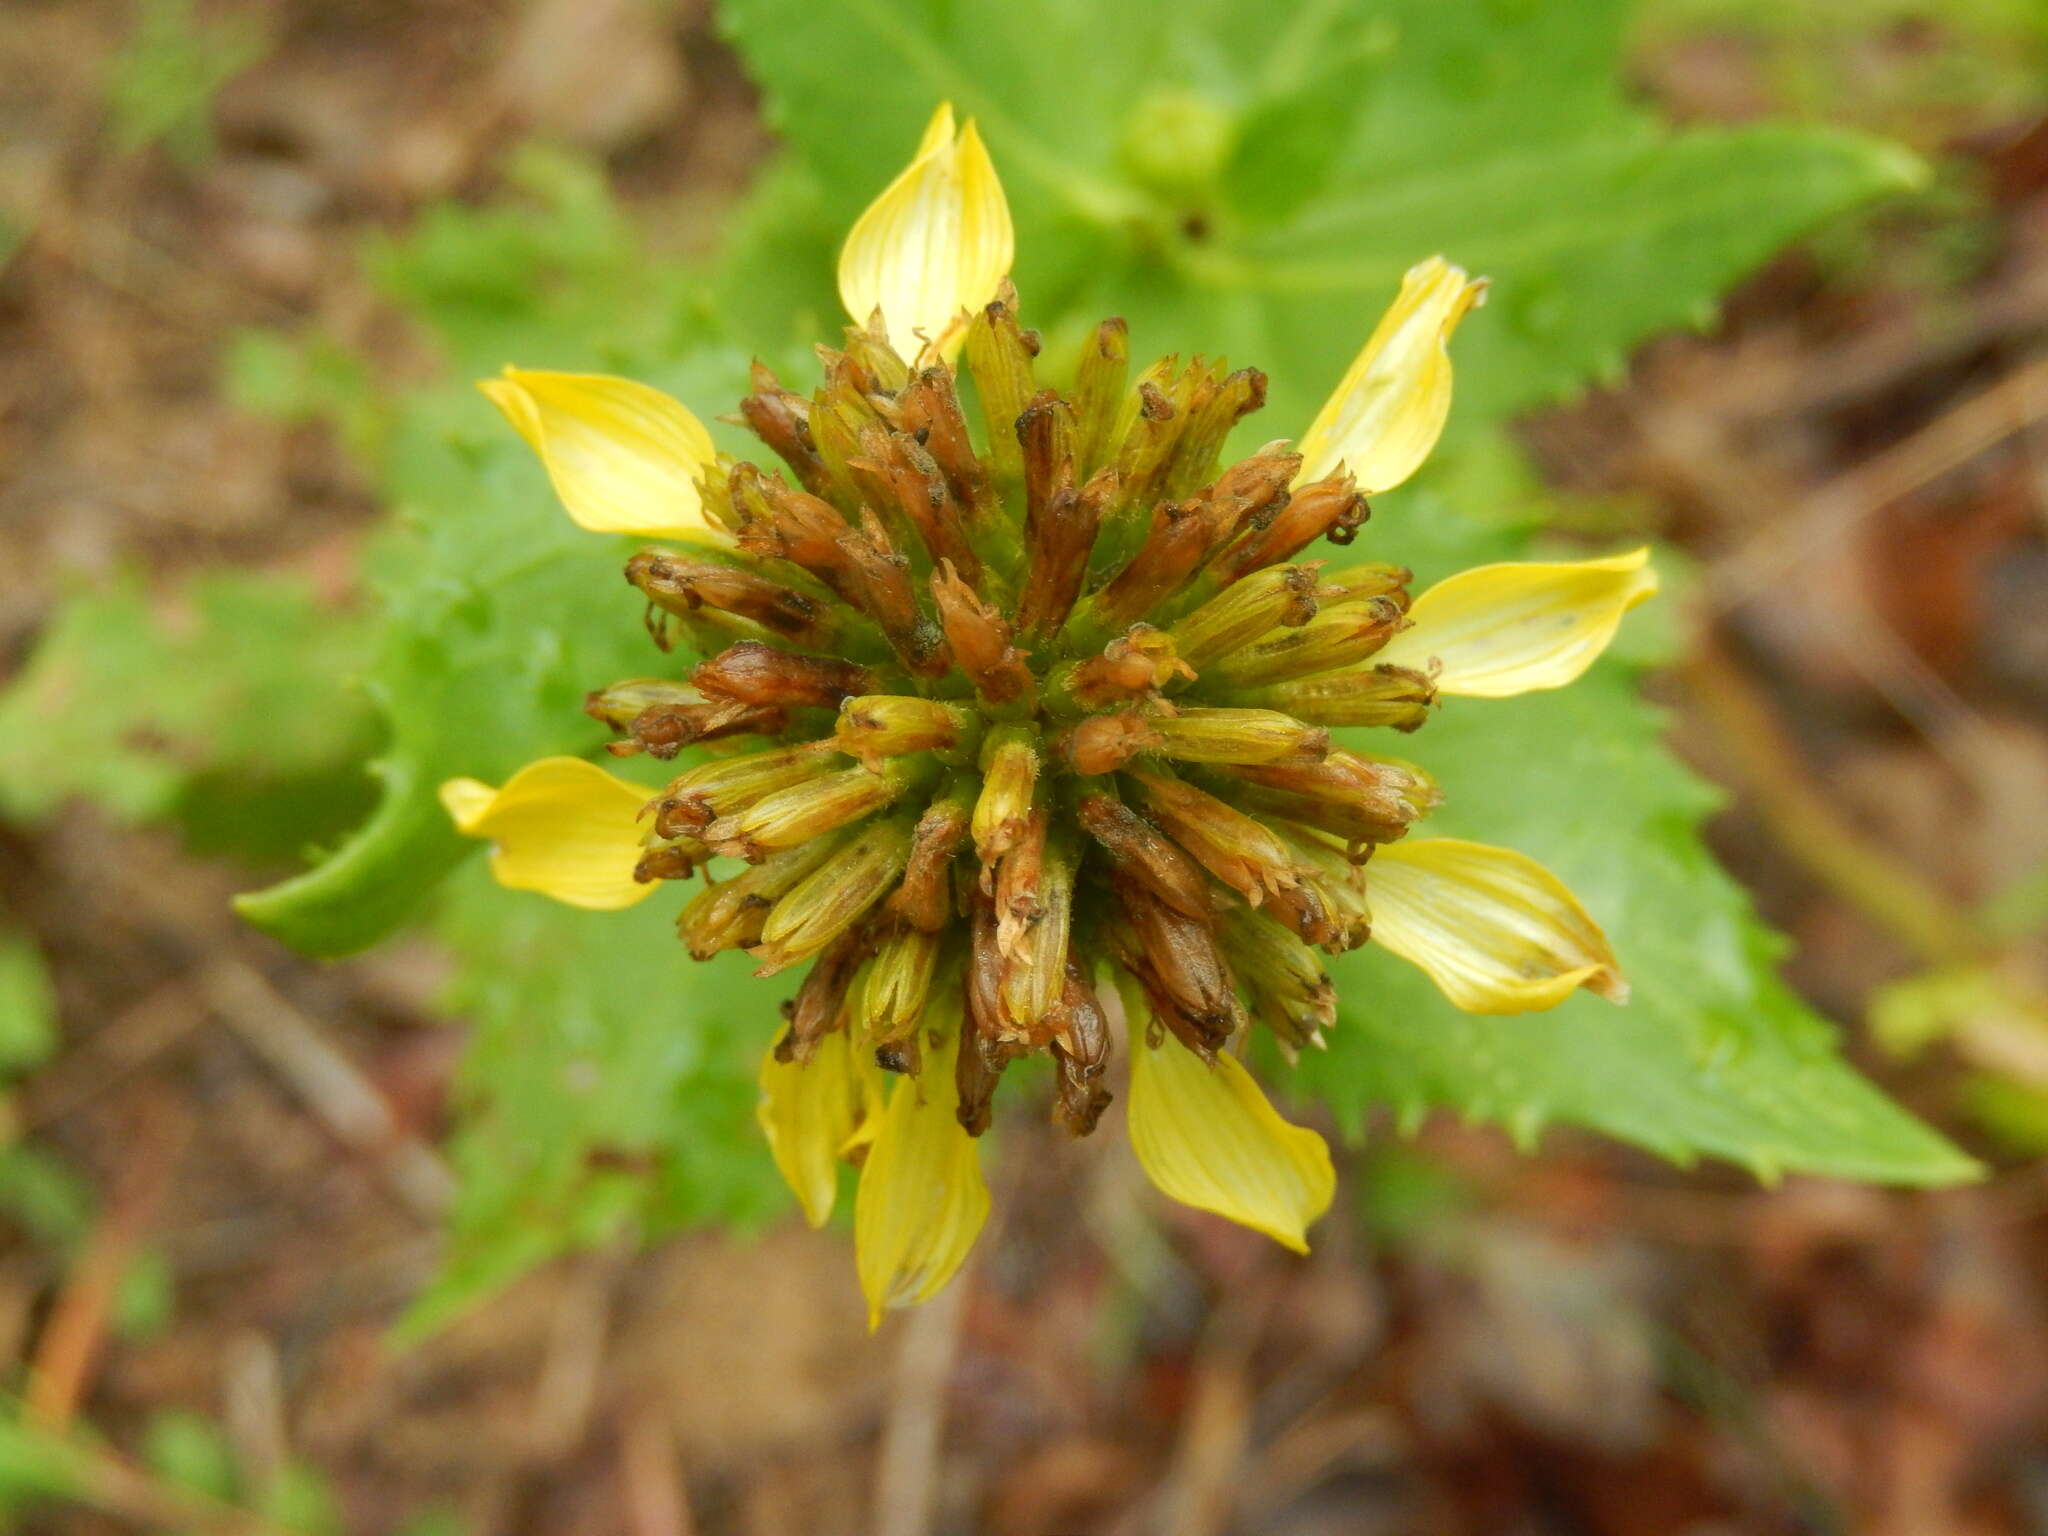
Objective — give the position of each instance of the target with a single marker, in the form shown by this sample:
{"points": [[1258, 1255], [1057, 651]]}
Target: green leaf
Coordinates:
{"points": [[231, 710], [609, 1084], [1499, 135], [189, 1450], [1496, 134], [160, 87]]}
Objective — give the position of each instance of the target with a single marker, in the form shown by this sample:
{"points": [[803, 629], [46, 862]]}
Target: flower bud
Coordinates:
{"points": [[1144, 855], [925, 898], [979, 638], [1098, 390], [1342, 634], [829, 901], [1001, 357], [1279, 595], [879, 725], [897, 983], [1177, 961], [1239, 736], [729, 914], [682, 586], [819, 1007], [1080, 1051], [1009, 776], [1330, 509], [622, 703], [721, 788], [1287, 987], [677, 860], [782, 420], [1033, 918], [753, 673], [1391, 696], [1359, 798], [789, 816], [1244, 854]]}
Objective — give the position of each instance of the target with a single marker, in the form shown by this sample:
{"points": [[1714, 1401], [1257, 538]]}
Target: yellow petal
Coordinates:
{"points": [[1206, 1136], [922, 1200], [1494, 929], [624, 457], [1498, 630], [935, 244], [810, 1112], [560, 826], [1385, 417]]}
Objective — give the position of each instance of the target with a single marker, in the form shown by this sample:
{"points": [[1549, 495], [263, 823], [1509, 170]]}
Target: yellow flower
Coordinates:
{"points": [[1494, 929], [560, 826], [624, 458], [1206, 1136], [1498, 630], [921, 1202], [1388, 413], [1002, 768], [936, 244]]}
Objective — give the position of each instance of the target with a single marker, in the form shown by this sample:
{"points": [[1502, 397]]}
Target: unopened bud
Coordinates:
{"points": [[619, 705], [1098, 390], [830, 901], [721, 788], [924, 899], [1341, 635], [676, 860], [790, 816], [897, 983], [979, 638], [1392, 696], [1143, 854], [878, 725], [1371, 580], [1001, 360], [1034, 947], [1280, 595], [781, 418], [1288, 989], [1359, 798], [682, 585], [1177, 960], [1080, 1051], [1244, 853], [729, 914], [752, 672], [819, 1007], [1009, 775], [1330, 509], [1239, 736], [1339, 889]]}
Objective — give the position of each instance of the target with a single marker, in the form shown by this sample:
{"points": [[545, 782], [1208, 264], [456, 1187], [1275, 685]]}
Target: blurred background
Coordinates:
{"points": [[228, 232]]}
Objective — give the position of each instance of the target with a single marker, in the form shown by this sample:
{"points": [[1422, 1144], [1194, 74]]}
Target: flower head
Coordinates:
{"points": [[1021, 727]]}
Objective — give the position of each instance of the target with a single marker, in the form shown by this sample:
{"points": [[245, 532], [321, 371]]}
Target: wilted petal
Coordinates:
{"points": [[1385, 417], [1494, 929], [1207, 1137], [1498, 630], [811, 1113], [922, 1200], [624, 457], [934, 245], [560, 826]]}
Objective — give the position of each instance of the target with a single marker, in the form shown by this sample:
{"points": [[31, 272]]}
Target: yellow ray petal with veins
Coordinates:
{"points": [[934, 246], [1498, 630], [811, 1112], [1387, 414], [560, 826], [922, 1201], [1207, 1137], [1495, 930], [623, 456]]}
